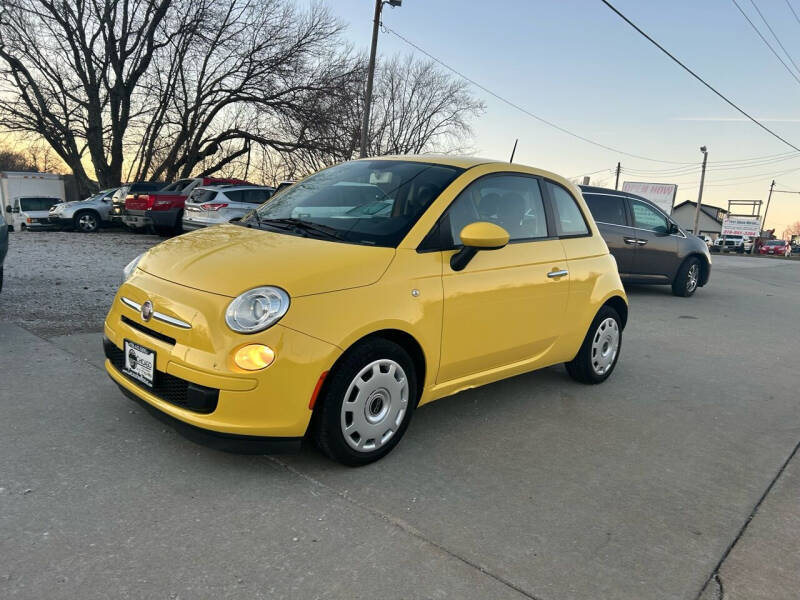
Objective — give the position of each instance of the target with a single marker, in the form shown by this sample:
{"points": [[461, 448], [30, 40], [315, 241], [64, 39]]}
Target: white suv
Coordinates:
{"points": [[212, 205], [734, 243]]}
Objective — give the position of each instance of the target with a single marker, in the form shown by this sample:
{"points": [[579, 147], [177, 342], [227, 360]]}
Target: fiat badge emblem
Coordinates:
{"points": [[147, 310]]}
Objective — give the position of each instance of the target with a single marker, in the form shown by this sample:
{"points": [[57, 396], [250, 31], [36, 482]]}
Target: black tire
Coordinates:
{"points": [[328, 426], [177, 228], [687, 279], [582, 368], [86, 221]]}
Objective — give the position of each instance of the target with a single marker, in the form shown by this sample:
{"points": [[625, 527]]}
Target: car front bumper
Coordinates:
{"points": [[61, 222], [196, 382]]}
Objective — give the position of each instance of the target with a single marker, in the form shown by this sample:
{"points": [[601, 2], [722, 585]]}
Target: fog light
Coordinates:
{"points": [[254, 357]]}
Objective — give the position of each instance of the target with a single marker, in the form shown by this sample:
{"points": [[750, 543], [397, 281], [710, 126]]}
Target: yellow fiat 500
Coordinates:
{"points": [[360, 293]]}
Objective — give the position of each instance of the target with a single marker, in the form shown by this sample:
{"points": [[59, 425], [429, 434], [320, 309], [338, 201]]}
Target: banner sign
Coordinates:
{"points": [[660, 194], [749, 226]]}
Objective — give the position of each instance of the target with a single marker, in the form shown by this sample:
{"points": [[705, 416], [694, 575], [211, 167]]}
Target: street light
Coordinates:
{"points": [[371, 69], [704, 150]]}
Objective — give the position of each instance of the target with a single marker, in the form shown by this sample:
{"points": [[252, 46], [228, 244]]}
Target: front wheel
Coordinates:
{"points": [[687, 279], [87, 222], [367, 403], [599, 352]]}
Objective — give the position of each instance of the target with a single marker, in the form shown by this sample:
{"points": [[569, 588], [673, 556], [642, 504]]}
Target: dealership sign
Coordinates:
{"points": [[661, 194], [749, 226]]}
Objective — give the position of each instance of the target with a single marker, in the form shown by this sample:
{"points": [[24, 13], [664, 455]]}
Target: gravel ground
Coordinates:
{"points": [[61, 282]]}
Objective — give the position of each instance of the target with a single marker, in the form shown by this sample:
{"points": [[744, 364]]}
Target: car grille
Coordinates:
{"points": [[147, 331], [177, 391]]}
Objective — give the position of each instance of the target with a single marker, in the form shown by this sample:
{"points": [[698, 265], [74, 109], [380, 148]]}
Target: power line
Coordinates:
{"points": [[696, 76], [524, 110], [763, 39], [791, 8], [677, 172], [775, 35]]}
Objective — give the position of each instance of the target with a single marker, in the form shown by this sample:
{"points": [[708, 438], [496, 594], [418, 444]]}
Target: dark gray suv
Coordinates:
{"points": [[648, 245]]}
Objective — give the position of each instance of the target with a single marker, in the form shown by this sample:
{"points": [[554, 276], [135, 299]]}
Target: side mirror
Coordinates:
{"points": [[673, 228], [8, 208], [478, 236]]}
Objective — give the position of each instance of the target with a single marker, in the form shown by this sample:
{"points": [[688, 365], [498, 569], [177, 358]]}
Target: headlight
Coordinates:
{"points": [[130, 268], [257, 309]]}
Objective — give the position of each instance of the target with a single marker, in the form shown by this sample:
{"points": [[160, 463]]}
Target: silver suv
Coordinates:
{"points": [[212, 205], [86, 215]]}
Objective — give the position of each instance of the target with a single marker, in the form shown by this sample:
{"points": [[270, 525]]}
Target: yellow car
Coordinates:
{"points": [[360, 293]]}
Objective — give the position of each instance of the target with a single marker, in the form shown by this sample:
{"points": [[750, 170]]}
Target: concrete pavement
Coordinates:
{"points": [[533, 487]]}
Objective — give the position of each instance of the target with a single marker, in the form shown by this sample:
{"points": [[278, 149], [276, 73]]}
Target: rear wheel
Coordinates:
{"points": [[87, 221], [599, 352], [367, 403], [688, 278]]}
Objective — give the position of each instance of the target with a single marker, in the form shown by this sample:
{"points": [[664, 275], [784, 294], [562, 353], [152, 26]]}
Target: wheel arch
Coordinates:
{"points": [[705, 267], [619, 305], [406, 341], [82, 211]]}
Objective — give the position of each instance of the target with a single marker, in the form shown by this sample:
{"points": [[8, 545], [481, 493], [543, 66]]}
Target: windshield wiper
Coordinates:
{"points": [[306, 226]]}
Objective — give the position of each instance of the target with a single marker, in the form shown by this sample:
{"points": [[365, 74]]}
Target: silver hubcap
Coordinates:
{"points": [[605, 345], [374, 405], [691, 277], [87, 222]]}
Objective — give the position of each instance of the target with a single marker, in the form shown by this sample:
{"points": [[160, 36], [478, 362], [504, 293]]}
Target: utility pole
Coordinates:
{"points": [[371, 71], [616, 183], [766, 210], [704, 150]]}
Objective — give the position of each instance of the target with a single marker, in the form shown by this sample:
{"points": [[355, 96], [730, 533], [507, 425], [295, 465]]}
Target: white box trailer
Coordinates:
{"points": [[20, 184]]}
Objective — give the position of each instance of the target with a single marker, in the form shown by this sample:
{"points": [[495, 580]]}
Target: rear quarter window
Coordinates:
{"points": [[569, 218]]}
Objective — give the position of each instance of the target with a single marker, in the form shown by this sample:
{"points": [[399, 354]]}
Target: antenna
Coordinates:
{"points": [[514, 150]]}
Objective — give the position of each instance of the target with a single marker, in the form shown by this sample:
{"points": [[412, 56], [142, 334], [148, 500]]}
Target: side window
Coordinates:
{"points": [[255, 196], [606, 208], [512, 201], [235, 196], [647, 217], [569, 219]]}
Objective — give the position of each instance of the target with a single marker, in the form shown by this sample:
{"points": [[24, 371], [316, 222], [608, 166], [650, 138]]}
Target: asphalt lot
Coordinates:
{"points": [[674, 479]]}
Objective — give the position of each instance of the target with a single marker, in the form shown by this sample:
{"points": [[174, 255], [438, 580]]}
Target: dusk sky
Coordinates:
{"points": [[577, 64]]}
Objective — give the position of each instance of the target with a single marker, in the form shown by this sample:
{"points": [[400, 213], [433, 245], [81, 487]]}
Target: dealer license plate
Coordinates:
{"points": [[140, 363]]}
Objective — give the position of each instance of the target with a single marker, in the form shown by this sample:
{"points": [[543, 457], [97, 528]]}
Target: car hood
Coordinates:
{"points": [[230, 259]]}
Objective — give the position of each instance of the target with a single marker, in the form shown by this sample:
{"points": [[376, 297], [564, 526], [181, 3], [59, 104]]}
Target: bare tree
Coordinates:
{"points": [[160, 89], [69, 71], [417, 108], [12, 160], [226, 83]]}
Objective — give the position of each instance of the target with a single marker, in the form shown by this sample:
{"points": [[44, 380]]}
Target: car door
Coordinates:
{"points": [[610, 212], [506, 305], [656, 255]]}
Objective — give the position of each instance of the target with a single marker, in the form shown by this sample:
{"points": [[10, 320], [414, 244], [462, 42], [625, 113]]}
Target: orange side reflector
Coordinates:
{"points": [[317, 388]]}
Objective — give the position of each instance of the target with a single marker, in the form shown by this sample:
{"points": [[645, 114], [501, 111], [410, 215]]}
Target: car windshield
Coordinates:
{"points": [[372, 202], [37, 203], [775, 243]]}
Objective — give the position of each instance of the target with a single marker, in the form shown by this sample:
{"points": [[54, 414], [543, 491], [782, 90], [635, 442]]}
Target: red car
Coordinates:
{"points": [[163, 209], [776, 247]]}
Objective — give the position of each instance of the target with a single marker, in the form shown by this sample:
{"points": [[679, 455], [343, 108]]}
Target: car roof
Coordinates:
{"points": [[468, 162], [232, 187]]}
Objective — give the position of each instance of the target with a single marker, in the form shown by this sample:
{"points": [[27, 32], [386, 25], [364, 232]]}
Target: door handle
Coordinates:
{"points": [[641, 242], [559, 273], [630, 241]]}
